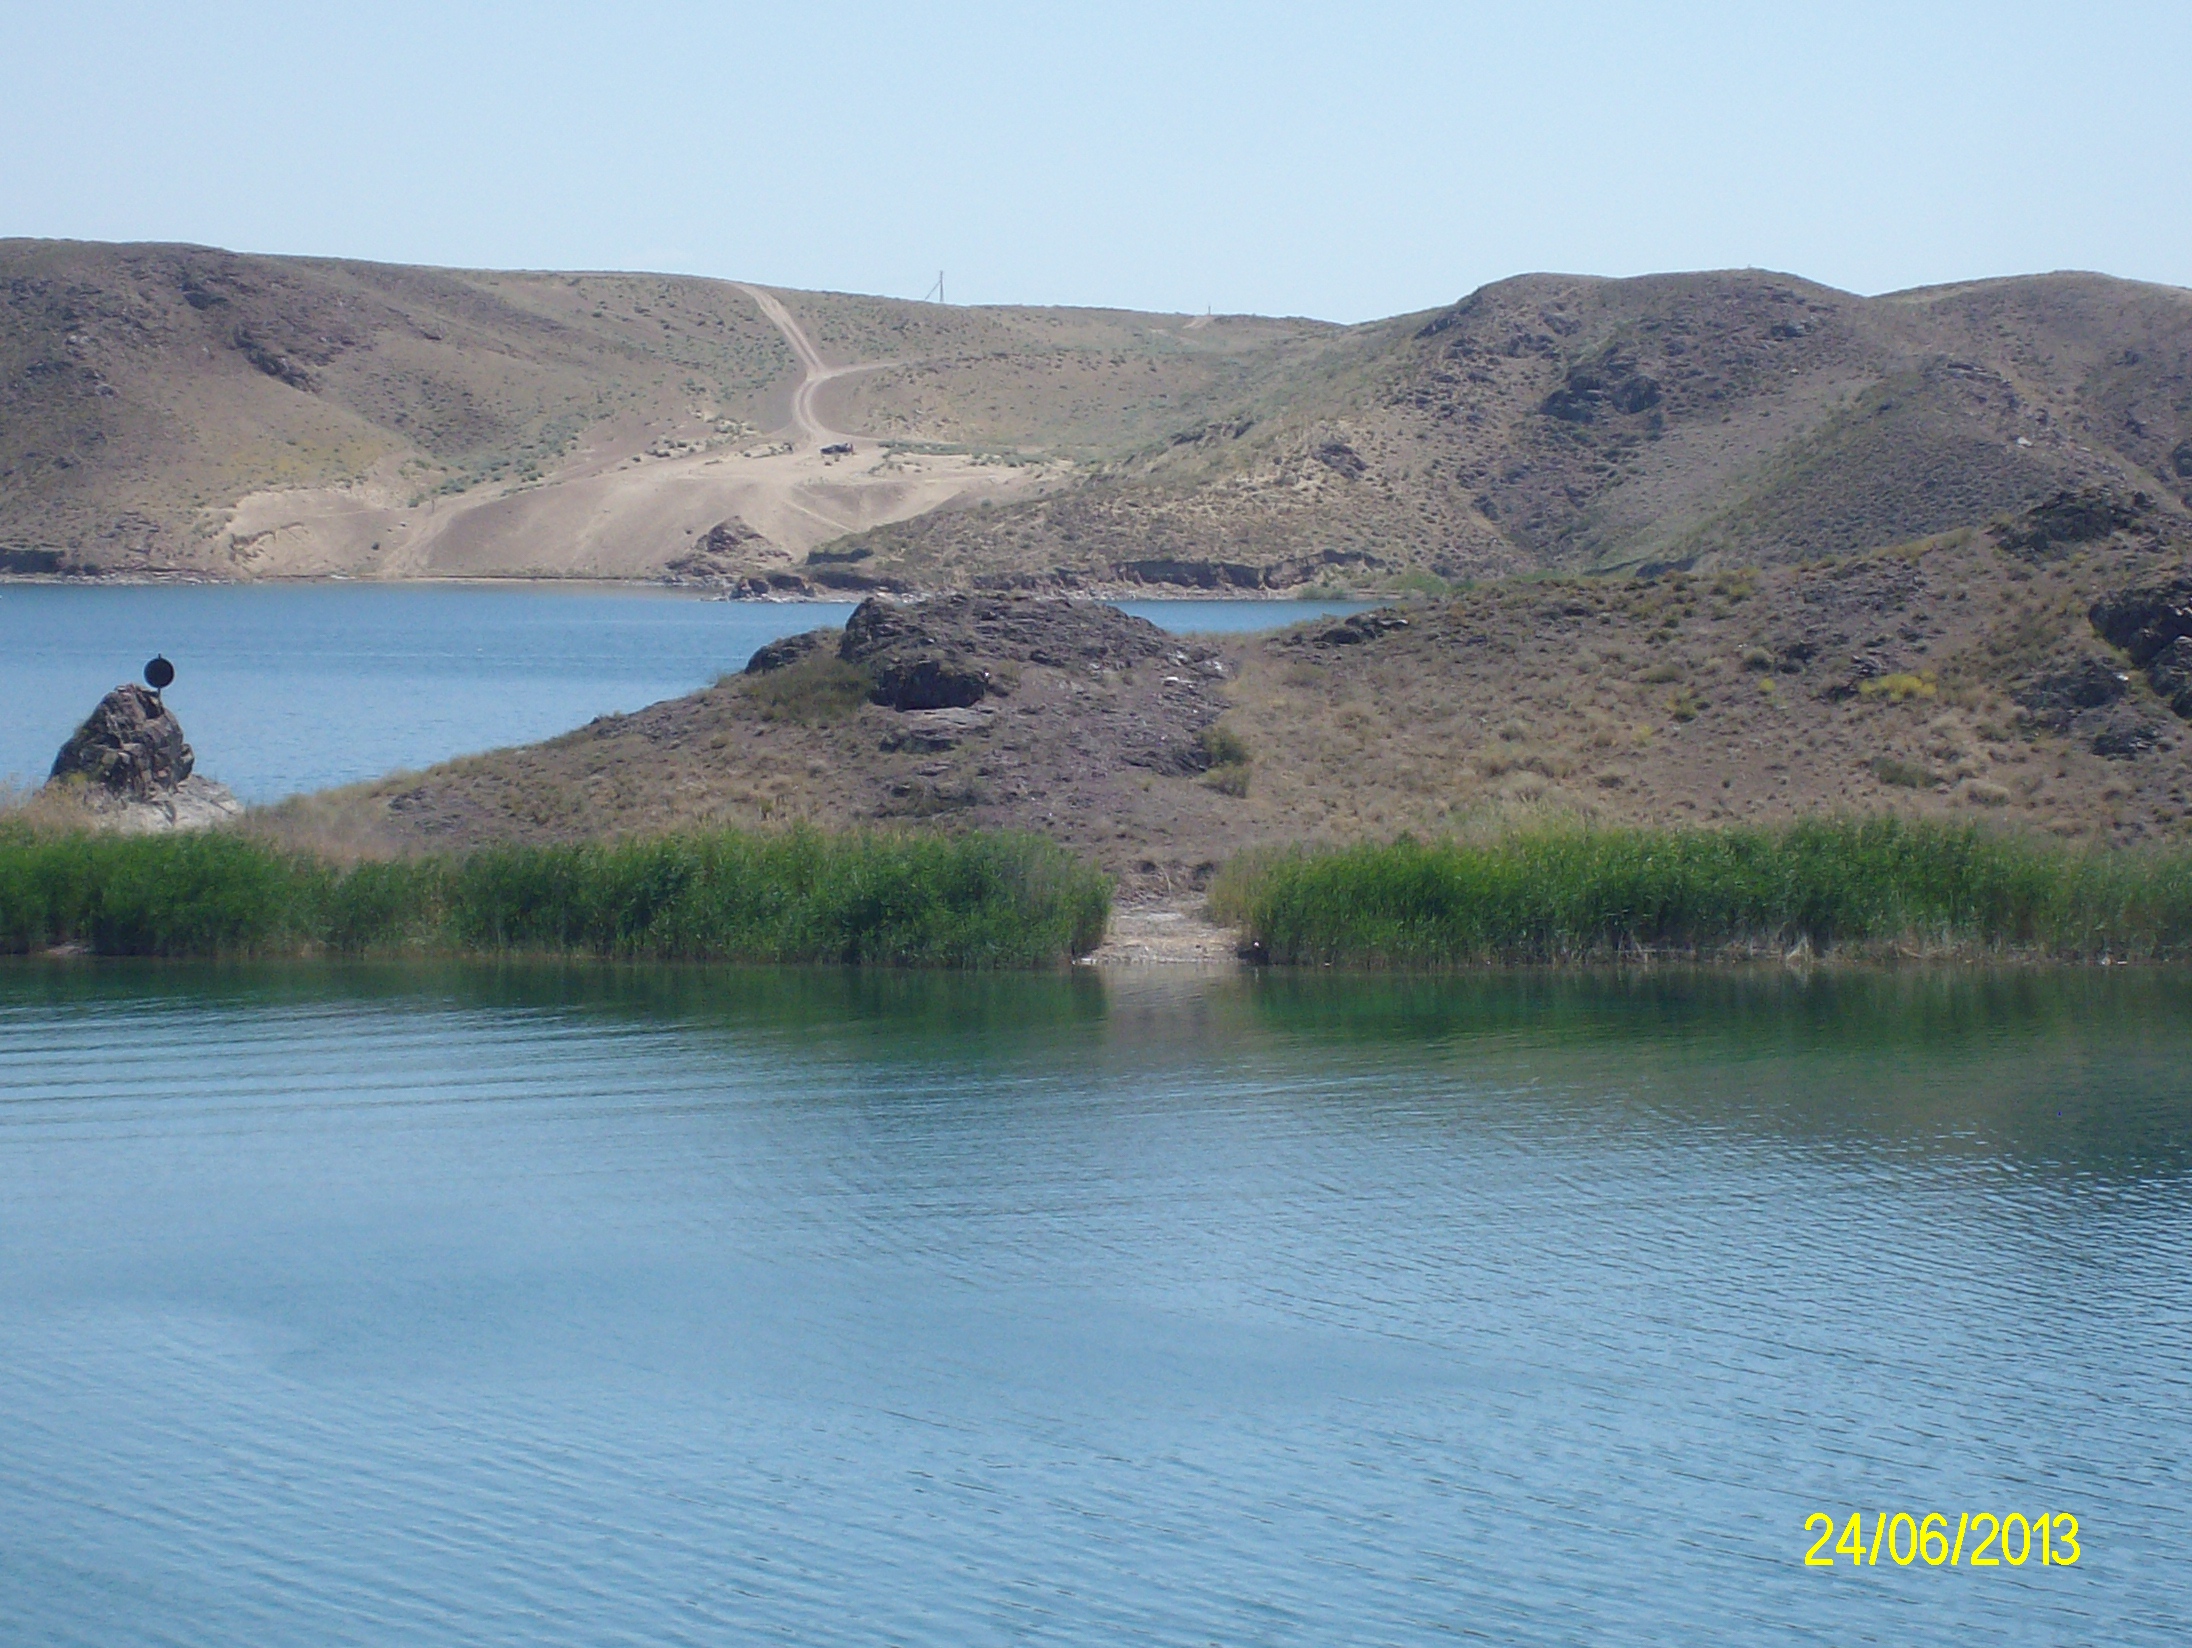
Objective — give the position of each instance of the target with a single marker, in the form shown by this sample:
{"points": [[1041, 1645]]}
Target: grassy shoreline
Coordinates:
{"points": [[976, 900], [1868, 887], [1858, 889]]}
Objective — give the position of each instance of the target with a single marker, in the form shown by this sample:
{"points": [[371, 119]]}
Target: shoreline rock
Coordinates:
{"points": [[132, 770], [129, 745], [194, 804]]}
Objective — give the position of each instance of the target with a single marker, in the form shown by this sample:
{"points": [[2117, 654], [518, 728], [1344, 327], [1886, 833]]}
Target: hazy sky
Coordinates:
{"points": [[1346, 160]]}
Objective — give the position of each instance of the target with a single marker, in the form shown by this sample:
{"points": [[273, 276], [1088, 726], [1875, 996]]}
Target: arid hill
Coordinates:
{"points": [[188, 410], [185, 410], [1553, 423], [2038, 674]]}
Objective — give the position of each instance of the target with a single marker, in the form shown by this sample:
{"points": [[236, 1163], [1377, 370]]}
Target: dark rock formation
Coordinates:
{"points": [[1361, 627], [273, 362], [2125, 737], [1342, 459], [789, 650], [1191, 574], [2067, 520], [929, 684], [721, 553], [131, 770], [922, 657], [2145, 620], [764, 586], [2153, 624], [2170, 670], [953, 629], [951, 653], [2055, 698], [1612, 383], [129, 746]]}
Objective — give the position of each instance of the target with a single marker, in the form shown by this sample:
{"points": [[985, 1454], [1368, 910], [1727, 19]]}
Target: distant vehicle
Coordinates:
{"points": [[838, 449]]}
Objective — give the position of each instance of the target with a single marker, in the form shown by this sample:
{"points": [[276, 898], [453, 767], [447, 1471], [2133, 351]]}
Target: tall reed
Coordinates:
{"points": [[976, 900], [1569, 893]]}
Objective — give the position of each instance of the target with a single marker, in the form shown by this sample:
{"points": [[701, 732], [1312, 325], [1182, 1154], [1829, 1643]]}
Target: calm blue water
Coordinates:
{"points": [[288, 688], [577, 1306]]}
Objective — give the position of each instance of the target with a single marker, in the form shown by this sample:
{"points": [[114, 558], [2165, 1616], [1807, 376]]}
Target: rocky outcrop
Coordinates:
{"points": [[933, 730], [772, 586], [2153, 624], [2170, 670], [783, 653], [2067, 520], [194, 804], [129, 746], [131, 767], [727, 553], [944, 653], [1353, 631], [1340, 458], [1192, 574], [2145, 620], [2125, 737], [1595, 390], [921, 657], [2057, 697]]}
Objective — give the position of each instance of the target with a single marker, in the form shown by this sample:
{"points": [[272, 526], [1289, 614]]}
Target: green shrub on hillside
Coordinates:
{"points": [[819, 688], [1226, 753], [1906, 775]]}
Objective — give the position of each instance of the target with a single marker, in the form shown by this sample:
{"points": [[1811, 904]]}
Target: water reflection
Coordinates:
{"points": [[557, 1304], [2065, 1069]]}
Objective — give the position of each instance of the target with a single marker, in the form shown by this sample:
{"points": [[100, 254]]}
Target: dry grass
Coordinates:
{"points": [[1516, 697], [47, 808], [334, 826]]}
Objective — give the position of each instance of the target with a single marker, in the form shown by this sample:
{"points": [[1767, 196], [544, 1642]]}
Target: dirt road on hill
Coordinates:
{"points": [[631, 500], [805, 420]]}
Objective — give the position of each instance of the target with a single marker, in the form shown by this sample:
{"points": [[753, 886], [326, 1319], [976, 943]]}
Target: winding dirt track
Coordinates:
{"points": [[604, 515], [805, 422]]}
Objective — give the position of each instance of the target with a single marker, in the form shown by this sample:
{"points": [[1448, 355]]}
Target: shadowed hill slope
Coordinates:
{"points": [[1570, 424]]}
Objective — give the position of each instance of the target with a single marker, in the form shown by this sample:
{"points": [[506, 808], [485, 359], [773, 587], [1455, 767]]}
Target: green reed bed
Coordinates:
{"points": [[1873, 885], [977, 900]]}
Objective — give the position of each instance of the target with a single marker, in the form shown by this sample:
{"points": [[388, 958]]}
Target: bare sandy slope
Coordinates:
{"points": [[611, 511], [633, 500], [174, 410]]}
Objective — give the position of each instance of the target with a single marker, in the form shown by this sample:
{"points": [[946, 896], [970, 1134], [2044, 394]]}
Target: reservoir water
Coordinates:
{"points": [[347, 1305], [283, 688]]}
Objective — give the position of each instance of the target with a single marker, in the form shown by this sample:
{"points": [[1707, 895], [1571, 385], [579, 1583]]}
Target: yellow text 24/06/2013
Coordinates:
{"points": [[1979, 1539]]}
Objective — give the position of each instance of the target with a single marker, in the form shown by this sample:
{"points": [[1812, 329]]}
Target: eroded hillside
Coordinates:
{"points": [[1550, 423], [181, 409]]}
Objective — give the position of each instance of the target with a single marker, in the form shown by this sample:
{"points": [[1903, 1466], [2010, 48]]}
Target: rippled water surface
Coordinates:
{"points": [[294, 687], [562, 1306]]}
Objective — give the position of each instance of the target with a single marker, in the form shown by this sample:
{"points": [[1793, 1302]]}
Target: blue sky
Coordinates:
{"points": [[1344, 161]]}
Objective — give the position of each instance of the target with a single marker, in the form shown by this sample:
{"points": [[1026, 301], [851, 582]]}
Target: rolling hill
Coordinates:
{"points": [[170, 410]]}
